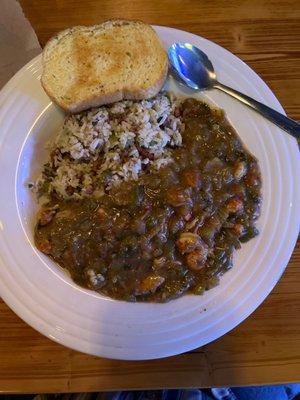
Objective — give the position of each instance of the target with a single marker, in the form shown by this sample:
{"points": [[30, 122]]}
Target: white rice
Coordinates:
{"points": [[102, 147]]}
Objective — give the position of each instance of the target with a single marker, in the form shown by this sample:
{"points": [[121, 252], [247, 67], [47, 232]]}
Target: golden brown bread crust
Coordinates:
{"points": [[133, 65]]}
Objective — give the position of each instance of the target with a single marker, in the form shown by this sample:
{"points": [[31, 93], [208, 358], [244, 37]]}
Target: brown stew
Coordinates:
{"points": [[170, 232]]}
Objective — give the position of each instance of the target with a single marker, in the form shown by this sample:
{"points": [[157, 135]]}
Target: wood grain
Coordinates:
{"points": [[266, 347]]}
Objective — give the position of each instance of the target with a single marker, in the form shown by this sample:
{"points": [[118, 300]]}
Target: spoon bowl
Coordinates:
{"points": [[192, 65]]}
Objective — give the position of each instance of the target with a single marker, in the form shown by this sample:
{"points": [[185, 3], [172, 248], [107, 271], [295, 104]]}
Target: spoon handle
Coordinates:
{"points": [[288, 124]]}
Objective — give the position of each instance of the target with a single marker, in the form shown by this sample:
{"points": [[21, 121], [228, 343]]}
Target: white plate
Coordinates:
{"points": [[43, 295]]}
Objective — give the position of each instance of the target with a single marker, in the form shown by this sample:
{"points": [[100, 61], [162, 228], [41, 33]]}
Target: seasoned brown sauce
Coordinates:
{"points": [[170, 232]]}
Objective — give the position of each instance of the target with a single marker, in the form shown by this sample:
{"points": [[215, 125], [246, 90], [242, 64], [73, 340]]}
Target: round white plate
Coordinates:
{"points": [[45, 297]]}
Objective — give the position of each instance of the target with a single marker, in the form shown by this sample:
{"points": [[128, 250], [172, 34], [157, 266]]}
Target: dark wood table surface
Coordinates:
{"points": [[265, 348]]}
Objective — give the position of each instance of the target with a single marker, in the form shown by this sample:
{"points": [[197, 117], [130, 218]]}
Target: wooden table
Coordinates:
{"points": [[266, 347]]}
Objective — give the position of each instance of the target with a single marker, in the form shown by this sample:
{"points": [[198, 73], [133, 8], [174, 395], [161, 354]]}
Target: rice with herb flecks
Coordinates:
{"points": [[100, 148]]}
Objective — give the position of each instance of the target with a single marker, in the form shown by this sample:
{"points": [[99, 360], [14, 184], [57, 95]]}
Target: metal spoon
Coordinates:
{"points": [[196, 70]]}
